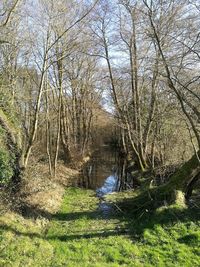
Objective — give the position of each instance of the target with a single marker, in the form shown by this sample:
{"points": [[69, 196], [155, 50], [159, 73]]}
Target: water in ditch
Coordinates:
{"points": [[104, 173]]}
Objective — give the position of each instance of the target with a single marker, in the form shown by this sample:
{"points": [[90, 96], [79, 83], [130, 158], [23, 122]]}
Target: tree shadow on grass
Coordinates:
{"points": [[4, 227], [33, 212], [189, 239], [134, 225], [76, 215], [102, 233], [88, 235], [165, 217]]}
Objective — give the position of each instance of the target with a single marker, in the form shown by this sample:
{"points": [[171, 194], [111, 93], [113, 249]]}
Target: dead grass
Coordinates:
{"points": [[41, 191]]}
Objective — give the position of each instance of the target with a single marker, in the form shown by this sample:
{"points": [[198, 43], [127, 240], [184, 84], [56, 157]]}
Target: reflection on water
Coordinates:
{"points": [[101, 166], [105, 208], [106, 173], [110, 185], [100, 174]]}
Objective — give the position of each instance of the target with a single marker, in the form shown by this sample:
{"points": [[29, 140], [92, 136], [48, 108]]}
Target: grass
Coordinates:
{"points": [[80, 234]]}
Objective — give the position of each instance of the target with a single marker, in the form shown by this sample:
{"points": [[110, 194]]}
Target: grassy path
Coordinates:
{"points": [[81, 235], [84, 236]]}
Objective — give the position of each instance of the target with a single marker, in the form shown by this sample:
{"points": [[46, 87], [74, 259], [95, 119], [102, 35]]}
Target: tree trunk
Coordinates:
{"points": [[180, 181]]}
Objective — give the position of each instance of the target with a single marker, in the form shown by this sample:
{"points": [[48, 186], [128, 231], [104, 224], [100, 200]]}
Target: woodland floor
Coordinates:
{"points": [[80, 234]]}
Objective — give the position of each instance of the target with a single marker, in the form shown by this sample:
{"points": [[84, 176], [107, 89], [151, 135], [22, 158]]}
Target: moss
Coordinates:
{"points": [[152, 198], [13, 125], [181, 178], [7, 107], [6, 160], [6, 166], [9, 148]]}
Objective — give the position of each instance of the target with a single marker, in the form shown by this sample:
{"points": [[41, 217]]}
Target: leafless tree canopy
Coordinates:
{"points": [[72, 71]]}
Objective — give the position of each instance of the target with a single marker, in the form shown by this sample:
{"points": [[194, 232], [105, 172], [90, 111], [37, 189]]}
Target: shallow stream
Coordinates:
{"points": [[101, 175]]}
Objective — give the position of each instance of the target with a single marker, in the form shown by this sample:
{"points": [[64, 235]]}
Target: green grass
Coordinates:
{"points": [[81, 235]]}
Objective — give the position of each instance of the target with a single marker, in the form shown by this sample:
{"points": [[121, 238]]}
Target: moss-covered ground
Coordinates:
{"points": [[80, 234]]}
